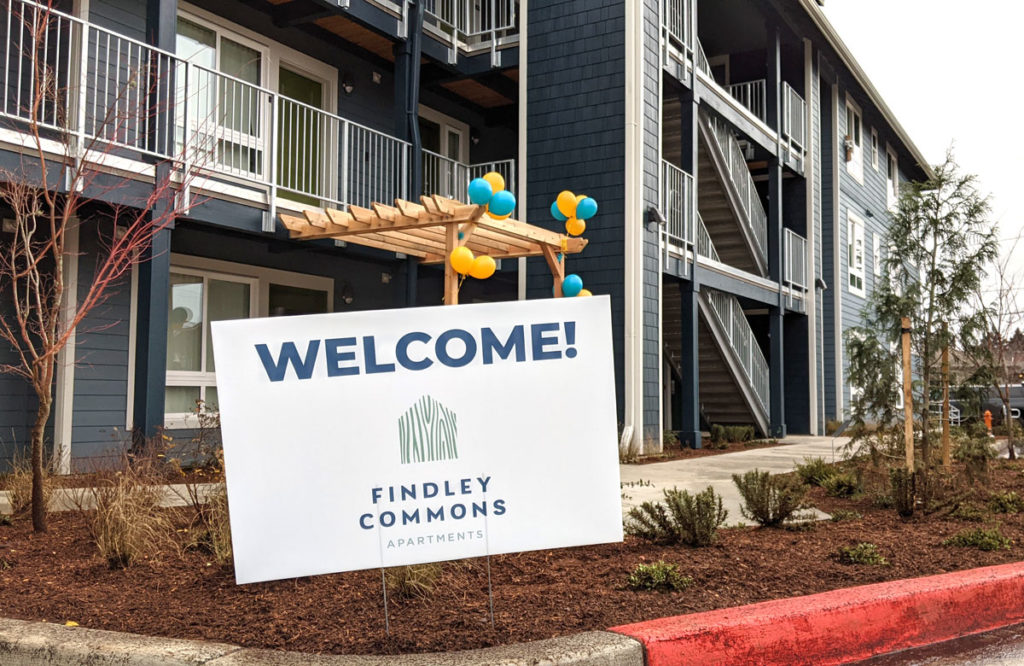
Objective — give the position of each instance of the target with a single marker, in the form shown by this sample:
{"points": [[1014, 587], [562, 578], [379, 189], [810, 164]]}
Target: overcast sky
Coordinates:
{"points": [[951, 72]]}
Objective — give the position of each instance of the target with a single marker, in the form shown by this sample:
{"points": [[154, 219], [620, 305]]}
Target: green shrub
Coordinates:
{"points": [[883, 501], [840, 515], [681, 518], [1008, 502], [975, 453], [418, 580], [814, 471], [728, 434], [669, 438], [862, 553], [902, 491], [832, 426], [769, 500], [982, 539], [841, 484], [659, 576], [968, 512]]}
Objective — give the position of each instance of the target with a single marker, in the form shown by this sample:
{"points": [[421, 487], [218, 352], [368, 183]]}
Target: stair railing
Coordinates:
{"points": [[740, 336]]}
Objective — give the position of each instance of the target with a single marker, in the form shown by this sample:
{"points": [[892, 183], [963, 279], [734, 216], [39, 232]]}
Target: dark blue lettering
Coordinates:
{"points": [[489, 344], [289, 356], [479, 509], [435, 515], [335, 357], [387, 519], [363, 521], [441, 348], [540, 341], [429, 490], [499, 507], [402, 351], [370, 353], [458, 511], [413, 517]]}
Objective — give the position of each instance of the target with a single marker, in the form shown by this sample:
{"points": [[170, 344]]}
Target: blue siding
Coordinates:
{"points": [[101, 361], [579, 144], [818, 267], [126, 17], [652, 354]]}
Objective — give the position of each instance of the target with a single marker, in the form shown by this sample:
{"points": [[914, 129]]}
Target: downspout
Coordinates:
{"points": [[412, 97]]}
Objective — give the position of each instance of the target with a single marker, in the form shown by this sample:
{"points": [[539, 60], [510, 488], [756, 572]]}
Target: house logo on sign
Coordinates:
{"points": [[427, 432]]}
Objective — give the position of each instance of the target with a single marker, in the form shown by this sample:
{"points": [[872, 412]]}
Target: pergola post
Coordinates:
{"points": [[451, 278], [556, 262]]}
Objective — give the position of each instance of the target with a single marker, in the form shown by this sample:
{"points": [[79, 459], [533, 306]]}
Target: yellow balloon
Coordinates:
{"points": [[483, 268], [462, 260], [584, 292], [495, 180], [566, 203], [575, 227], [499, 217]]}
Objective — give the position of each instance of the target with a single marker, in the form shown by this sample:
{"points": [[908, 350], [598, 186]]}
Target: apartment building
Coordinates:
{"points": [[743, 162]]}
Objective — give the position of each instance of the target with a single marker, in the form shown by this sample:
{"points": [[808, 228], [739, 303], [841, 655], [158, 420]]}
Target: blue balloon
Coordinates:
{"points": [[479, 191], [502, 203], [557, 214], [572, 285], [586, 209]]}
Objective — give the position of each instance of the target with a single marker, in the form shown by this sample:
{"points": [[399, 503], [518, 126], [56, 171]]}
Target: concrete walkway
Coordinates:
{"points": [[641, 483], [69, 499]]}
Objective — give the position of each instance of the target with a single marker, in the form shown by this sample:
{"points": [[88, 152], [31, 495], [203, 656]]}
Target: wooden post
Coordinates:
{"points": [[451, 278], [946, 453], [908, 407], [556, 262]]}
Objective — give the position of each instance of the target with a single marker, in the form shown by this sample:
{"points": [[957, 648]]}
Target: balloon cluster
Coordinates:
{"points": [[574, 210], [486, 191], [490, 191]]}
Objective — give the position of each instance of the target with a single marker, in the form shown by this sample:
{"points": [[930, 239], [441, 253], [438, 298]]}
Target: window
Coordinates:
{"points": [[196, 300], [875, 150], [855, 254], [203, 291], [226, 117], [854, 142], [892, 179]]}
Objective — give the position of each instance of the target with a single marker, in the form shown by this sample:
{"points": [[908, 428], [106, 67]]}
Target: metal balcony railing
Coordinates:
{"points": [[471, 25], [794, 119], [752, 95], [740, 338], [739, 174], [794, 248], [705, 248], [678, 200], [676, 16], [449, 178]]}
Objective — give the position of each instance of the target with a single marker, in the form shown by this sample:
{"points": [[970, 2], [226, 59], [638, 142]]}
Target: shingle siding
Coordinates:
{"points": [[576, 140], [652, 270]]}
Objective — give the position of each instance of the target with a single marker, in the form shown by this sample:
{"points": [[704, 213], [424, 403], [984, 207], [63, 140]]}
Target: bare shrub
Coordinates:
{"points": [[418, 580], [19, 486]]}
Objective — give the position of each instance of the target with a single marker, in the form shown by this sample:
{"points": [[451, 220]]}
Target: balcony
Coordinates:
{"points": [[118, 102], [449, 178], [794, 250], [471, 26]]}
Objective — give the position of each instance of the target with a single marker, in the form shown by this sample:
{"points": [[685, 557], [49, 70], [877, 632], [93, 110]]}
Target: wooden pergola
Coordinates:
{"points": [[431, 229]]}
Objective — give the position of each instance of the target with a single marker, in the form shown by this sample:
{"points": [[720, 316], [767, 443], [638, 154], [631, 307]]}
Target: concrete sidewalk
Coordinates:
{"points": [[69, 499], [696, 474]]}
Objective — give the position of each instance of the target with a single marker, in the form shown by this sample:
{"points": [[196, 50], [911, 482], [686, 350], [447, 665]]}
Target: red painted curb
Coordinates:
{"points": [[842, 625]]}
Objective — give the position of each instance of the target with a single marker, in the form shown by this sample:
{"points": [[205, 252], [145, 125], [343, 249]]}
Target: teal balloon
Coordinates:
{"points": [[502, 203], [557, 214], [480, 191], [572, 285], [586, 209]]}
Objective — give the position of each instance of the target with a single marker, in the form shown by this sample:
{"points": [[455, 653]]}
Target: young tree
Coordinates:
{"points": [[939, 248], [56, 180], [994, 346]]}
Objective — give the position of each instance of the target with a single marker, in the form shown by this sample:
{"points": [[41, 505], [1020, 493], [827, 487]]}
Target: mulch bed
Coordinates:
{"points": [[675, 452], [58, 577]]}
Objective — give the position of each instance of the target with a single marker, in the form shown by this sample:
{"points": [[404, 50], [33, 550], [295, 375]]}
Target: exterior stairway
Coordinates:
{"points": [[728, 199], [733, 370]]}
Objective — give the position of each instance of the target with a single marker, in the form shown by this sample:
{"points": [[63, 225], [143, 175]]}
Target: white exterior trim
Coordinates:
{"points": [[133, 322], [810, 169], [63, 417], [855, 166], [522, 135], [633, 413], [837, 255]]}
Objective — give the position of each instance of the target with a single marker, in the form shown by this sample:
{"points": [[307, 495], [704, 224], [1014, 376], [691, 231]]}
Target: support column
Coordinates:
{"points": [[154, 269], [776, 361], [689, 394]]}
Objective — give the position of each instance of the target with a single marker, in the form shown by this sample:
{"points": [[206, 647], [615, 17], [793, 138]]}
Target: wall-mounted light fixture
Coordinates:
{"points": [[376, 77], [867, 211], [347, 294], [347, 85]]}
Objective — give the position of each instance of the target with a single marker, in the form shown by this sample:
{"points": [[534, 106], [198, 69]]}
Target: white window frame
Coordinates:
{"points": [[449, 124], [259, 280], [855, 165], [892, 185], [855, 268], [876, 255], [874, 149]]}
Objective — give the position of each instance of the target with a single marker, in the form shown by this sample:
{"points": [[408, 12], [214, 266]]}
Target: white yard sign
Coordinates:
{"points": [[360, 440]]}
